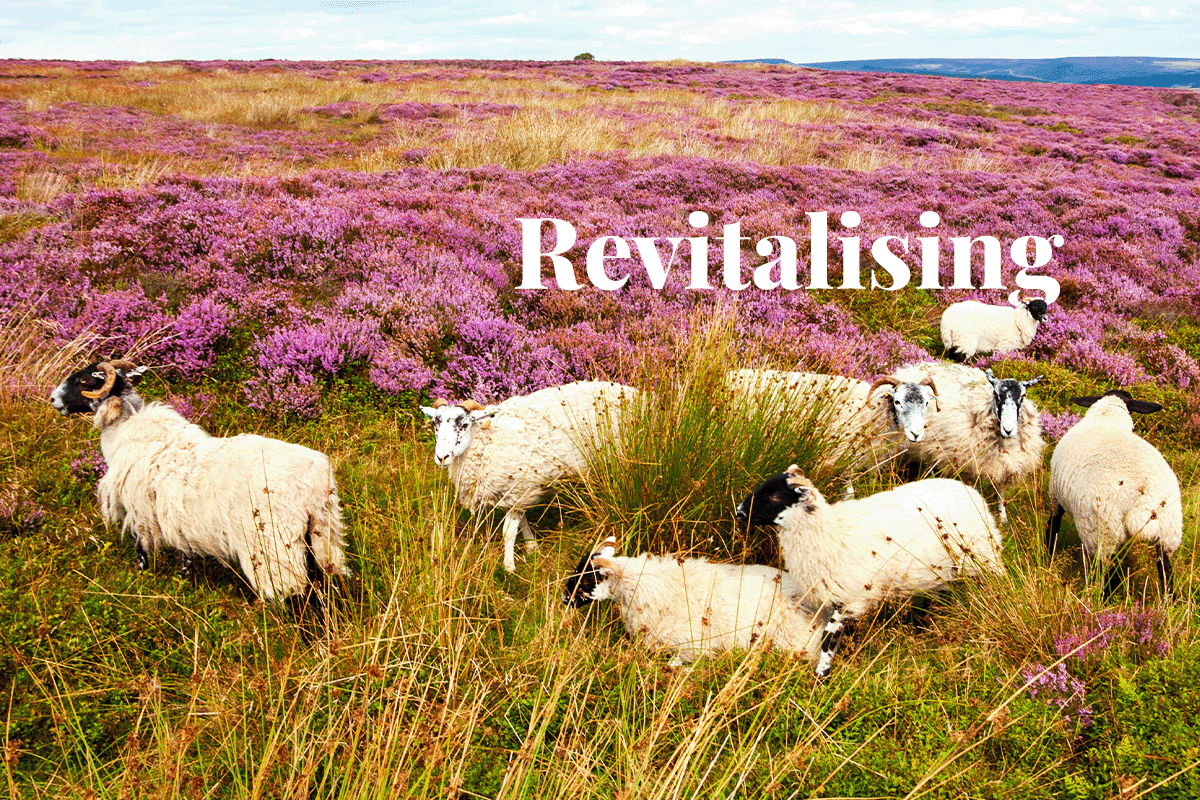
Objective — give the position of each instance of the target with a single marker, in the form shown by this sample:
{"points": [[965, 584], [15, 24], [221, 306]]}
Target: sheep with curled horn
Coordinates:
{"points": [[986, 431], [268, 506], [873, 422]]}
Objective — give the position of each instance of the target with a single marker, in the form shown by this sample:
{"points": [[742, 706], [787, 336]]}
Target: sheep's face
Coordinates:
{"points": [[1007, 397], [1037, 309], [82, 392], [589, 582], [452, 429], [909, 402], [766, 504]]}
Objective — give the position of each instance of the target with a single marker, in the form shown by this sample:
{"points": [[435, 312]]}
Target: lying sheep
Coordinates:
{"points": [[694, 607], [268, 506], [872, 422], [1116, 485], [971, 327], [858, 553], [507, 455], [986, 429]]}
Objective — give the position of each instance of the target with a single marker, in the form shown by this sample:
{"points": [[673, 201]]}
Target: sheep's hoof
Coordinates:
{"points": [[143, 560], [530, 545]]}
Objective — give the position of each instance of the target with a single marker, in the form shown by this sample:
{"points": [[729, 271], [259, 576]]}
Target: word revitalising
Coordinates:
{"points": [[605, 270]]}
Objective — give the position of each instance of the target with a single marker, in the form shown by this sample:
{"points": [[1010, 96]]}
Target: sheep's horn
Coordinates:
{"points": [[928, 382], [439, 402], [123, 364], [110, 378], [887, 379], [794, 469], [470, 405]]}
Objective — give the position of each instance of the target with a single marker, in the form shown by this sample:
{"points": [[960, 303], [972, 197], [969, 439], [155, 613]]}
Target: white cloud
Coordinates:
{"points": [[378, 45]]}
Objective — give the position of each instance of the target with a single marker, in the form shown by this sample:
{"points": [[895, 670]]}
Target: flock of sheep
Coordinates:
{"points": [[273, 509]]}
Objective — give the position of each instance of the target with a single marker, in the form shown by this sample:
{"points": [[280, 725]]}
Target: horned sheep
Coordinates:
{"points": [[986, 429], [694, 607], [971, 327], [873, 421], [1116, 485], [507, 455], [858, 553], [271, 507]]}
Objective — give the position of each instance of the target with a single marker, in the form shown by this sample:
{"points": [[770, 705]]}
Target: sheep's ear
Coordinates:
{"points": [[429, 412], [1087, 401], [476, 416], [1033, 381], [1142, 406], [134, 376]]}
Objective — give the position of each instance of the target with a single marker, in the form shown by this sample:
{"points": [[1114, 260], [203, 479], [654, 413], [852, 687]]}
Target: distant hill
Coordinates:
{"points": [[1124, 70]]}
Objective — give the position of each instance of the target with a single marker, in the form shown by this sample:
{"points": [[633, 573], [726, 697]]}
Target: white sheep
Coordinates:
{"points": [[872, 422], [1116, 485], [858, 553], [694, 607], [986, 429], [269, 506], [507, 455], [971, 327]]}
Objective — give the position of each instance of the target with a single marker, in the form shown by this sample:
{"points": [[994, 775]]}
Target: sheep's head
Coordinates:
{"points": [[1122, 400], [909, 401], [589, 582], [85, 391], [766, 504], [1037, 309], [1007, 397], [452, 425]]}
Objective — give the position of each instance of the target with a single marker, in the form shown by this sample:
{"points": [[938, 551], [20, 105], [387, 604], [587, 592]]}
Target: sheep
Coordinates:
{"points": [[874, 425], [507, 455], [694, 607], [1116, 485], [269, 506], [891, 545], [986, 429], [971, 327]]}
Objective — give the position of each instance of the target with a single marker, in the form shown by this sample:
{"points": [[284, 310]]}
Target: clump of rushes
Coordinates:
{"points": [[690, 448]]}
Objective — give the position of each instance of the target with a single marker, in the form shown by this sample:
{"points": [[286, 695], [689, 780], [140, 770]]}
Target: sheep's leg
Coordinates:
{"points": [[143, 558], [1052, 526], [1164, 571], [1000, 507], [848, 492], [185, 564], [527, 535], [512, 523], [830, 640], [1114, 571]]}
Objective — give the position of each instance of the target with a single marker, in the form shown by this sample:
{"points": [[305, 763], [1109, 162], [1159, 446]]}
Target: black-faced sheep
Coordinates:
{"points": [[507, 455], [986, 429], [971, 327], [891, 545], [1116, 485], [694, 607], [270, 507]]}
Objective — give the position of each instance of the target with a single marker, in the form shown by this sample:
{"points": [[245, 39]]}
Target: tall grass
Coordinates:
{"points": [[691, 447]]}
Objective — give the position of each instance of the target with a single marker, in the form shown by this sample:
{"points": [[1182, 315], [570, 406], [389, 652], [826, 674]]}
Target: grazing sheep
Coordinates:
{"points": [[1116, 485], [269, 506], [986, 429], [971, 327], [858, 553], [695, 607], [507, 455], [873, 421]]}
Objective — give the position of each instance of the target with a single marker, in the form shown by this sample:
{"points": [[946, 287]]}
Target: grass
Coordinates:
{"points": [[557, 121], [441, 675]]}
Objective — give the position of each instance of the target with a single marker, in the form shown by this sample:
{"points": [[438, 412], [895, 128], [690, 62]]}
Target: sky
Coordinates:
{"points": [[715, 30]]}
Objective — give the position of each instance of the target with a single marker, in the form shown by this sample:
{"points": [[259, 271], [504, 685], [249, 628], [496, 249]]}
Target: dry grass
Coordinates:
{"points": [[557, 121]]}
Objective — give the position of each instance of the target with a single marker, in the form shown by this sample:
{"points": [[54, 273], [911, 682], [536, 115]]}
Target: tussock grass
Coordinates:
{"points": [[690, 449]]}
